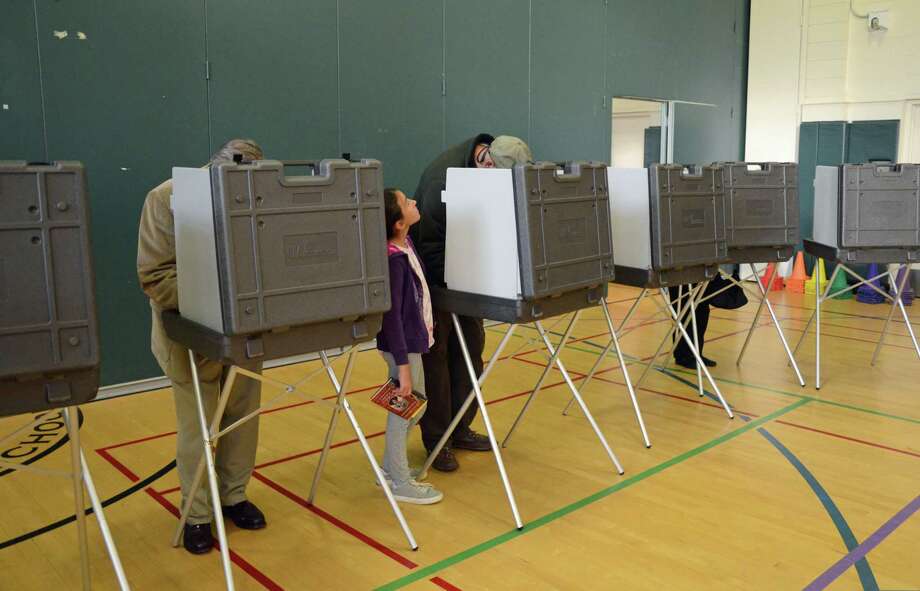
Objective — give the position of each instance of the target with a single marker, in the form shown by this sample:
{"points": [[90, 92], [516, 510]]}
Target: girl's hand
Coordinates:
{"points": [[405, 381]]}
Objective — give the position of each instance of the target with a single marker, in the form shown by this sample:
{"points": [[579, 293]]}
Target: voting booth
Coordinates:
{"points": [[761, 210], [528, 242], [49, 338], [668, 224], [523, 245], [669, 231], [761, 226], [865, 213], [271, 265]]}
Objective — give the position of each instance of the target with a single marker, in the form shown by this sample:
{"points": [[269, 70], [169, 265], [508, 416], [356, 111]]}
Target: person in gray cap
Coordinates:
{"points": [[447, 381]]}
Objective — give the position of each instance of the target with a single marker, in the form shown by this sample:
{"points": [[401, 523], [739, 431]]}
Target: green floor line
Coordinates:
{"points": [[429, 570], [630, 360]]}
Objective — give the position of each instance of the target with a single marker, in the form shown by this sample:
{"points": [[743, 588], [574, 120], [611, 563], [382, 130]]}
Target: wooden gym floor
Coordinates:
{"points": [[803, 488]]}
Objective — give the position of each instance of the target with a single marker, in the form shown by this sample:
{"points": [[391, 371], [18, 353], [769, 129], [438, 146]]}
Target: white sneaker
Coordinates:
{"points": [[416, 493]]}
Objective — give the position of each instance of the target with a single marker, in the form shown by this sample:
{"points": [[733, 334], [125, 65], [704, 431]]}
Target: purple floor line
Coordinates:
{"points": [[869, 544]]}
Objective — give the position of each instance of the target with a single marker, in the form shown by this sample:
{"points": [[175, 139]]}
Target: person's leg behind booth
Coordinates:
{"points": [[461, 385], [438, 413], [683, 356], [236, 452]]}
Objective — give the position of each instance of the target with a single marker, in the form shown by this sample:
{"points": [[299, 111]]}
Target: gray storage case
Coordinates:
{"points": [[260, 253], [761, 210], [669, 224], [688, 215], [49, 342], [563, 227], [869, 212]]}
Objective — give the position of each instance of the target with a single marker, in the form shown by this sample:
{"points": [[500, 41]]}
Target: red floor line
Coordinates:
{"points": [[314, 451], [330, 397], [134, 441], [366, 539], [837, 336], [118, 465], [238, 560], [444, 584], [700, 401], [578, 340], [361, 536], [848, 438]]}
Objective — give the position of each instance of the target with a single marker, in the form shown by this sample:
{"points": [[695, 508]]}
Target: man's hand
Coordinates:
{"points": [[405, 381]]}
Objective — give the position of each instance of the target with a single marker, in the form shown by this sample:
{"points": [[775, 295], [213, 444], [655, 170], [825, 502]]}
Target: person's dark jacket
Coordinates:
{"points": [[430, 232], [403, 330]]}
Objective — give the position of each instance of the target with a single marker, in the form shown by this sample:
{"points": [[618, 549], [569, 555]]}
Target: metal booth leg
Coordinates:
{"points": [[779, 329], [73, 431], [696, 355], [554, 355], [896, 303], [212, 441], [458, 416], [577, 394], [212, 476], [485, 419], [342, 402], [614, 343], [696, 335]]}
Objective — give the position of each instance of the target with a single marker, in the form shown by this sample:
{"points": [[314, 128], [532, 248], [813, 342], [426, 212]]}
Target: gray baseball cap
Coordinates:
{"points": [[507, 150]]}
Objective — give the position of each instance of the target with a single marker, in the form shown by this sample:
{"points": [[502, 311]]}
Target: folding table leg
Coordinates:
{"points": [[779, 329], [696, 334], [696, 355], [615, 344], [458, 416], [577, 394], [73, 431], [485, 419], [212, 477], [894, 305], [554, 355]]}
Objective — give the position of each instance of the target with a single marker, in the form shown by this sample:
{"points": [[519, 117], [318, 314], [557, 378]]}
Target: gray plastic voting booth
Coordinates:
{"points": [[761, 226], [49, 342], [523, 245], [669, 230], [865, 213], [272, 265]]}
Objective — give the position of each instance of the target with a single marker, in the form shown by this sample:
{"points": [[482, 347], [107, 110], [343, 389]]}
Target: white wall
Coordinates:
{"points": [[630, 119], [773, 81], [812, 60]]}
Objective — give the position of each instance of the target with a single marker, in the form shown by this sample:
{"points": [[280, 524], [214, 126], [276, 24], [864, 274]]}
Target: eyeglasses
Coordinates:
{"points": [[483, 154]]}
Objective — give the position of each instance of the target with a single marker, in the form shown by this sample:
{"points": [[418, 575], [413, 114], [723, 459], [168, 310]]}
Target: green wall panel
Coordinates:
{"points": [[21, 127], [872, 140], [129, 101], [391, 101], [311, 80], [274, 75], [570, 118], [487, 55]]}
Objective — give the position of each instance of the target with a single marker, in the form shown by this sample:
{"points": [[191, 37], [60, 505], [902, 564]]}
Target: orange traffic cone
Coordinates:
{"points": [[796, 282], [777, 280]]}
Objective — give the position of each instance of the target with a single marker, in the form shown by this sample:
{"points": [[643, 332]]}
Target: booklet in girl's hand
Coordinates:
{"points": [[403, 406]]}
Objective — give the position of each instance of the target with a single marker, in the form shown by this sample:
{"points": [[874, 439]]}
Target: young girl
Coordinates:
{"points": [[407, 332]]}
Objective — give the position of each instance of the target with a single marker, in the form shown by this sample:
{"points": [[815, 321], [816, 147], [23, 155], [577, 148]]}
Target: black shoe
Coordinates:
{"points": [[245, 515], [445, 461], [472, 441], [690, 363], [197, 538]]}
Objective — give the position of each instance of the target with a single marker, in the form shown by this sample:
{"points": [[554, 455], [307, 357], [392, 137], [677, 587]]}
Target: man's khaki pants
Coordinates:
{"points": [[236, 451]]}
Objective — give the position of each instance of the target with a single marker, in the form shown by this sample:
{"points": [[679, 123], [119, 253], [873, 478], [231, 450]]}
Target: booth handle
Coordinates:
{"points": [[691, 171], [567, 172]]}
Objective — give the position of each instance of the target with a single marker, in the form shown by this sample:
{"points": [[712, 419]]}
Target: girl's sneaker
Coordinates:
{"points": [[416, 493]]}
